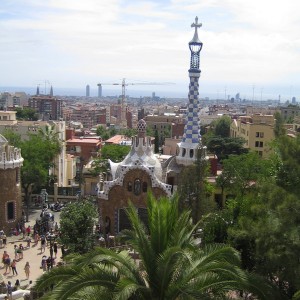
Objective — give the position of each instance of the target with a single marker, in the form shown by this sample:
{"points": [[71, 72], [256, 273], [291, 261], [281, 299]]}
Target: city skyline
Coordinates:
{"points": [[251, 48]]}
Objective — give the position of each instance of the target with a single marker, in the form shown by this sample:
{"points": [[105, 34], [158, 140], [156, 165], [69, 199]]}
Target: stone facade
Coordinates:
{"points": [[120, 195], [139, 173], [10, 186]]}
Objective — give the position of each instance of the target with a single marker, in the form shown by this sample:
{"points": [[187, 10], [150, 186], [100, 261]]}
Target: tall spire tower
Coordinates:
{"points": [[191, 138]]}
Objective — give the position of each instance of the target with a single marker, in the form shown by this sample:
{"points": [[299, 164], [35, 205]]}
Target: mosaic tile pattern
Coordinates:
{"points": [[192, 127]]}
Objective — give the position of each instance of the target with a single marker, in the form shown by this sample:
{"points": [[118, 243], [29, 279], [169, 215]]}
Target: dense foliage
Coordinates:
{"points": [[172, 266], [262, 218], [116, 153], [77, 221], [26, 114], [219, 142]]}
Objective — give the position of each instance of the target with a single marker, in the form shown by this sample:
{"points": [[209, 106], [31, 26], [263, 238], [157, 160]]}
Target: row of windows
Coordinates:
{"points": [[259, 134], [191, 152], [137, 187]]}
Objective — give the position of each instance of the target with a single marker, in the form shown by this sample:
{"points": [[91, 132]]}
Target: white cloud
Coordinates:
{"points": [[74, 42]]}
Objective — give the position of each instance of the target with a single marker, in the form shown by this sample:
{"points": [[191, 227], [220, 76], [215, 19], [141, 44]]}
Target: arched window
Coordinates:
{"points": [[183, 152], [129, 186], [145, 186], [191, 153], [137, 187], [10, 210]]}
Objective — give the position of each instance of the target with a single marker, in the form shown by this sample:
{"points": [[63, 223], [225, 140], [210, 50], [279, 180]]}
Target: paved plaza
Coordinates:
{"points": [[33, 254]]}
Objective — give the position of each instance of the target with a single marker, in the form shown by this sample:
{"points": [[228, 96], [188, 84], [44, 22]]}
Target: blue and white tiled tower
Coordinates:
{"points": [[192, 137]]}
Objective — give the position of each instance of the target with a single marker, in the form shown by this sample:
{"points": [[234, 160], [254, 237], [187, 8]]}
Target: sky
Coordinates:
{"points": [[249, 46]]}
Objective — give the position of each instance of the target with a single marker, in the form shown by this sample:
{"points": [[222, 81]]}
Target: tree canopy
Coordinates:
{"points": [[26, 114], [113, 152], [172, 266], [77, 221], [262, 220]]}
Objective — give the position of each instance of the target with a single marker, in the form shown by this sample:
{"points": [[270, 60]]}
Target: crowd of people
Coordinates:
{"points": [[13, 262]]}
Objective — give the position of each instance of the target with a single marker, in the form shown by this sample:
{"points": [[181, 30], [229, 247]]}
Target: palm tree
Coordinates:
{"points": [[172, 265]]}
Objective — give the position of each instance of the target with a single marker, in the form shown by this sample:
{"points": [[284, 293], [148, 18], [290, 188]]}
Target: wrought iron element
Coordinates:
{"points": [[195, 46]]}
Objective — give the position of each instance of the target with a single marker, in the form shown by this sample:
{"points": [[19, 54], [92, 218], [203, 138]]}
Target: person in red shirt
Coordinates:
{"points": [[28, 230]]}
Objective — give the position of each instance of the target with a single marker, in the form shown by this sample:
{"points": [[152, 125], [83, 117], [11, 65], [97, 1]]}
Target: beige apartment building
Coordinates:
{"points": [[63, 165], [256, 130]]}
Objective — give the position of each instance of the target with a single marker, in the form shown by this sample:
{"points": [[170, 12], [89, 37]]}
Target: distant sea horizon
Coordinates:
{"points": [[175, 93]]}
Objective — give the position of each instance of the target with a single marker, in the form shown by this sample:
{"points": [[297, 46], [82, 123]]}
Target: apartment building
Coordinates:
{"points": [[8, 121], [48, 107], [256, 130]]}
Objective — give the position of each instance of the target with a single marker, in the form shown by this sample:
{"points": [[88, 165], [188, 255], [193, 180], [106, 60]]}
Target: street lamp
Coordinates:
{"points": [[44, 197]]}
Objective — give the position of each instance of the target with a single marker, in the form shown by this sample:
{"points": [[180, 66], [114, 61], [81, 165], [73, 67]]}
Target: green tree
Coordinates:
{"points": [[268, 235], [115, 153], [12, 137], [128, 132], [26, 113], [223, 147], [77, 221], [99, 166], [262, 222], [38, 152], [101, 130], [222, 126], [241, 173], [172, 265], [288, 175], [279, 129]]}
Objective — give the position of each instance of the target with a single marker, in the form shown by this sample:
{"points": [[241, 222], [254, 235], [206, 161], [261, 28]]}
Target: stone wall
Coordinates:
{"points": [[119, 197], [10, 191]]}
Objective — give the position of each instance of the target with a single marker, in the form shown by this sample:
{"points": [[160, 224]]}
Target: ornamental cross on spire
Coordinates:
{"points": [[196, 24]]}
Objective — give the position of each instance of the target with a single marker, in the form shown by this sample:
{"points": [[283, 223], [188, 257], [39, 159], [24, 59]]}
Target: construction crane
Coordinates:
{"points": [[124, 84]]}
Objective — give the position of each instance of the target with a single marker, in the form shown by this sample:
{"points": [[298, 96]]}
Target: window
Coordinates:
{"points": [[183, 152], [259, 144], [257, 134], [129, 186], [261, 134], [191, 153], [10, 211], [137, 187]]}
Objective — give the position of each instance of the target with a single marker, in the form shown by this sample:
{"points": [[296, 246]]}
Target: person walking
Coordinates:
{"points": [[14, 267], [27, 270], [43, 244], [17, 285], [20, 251], [7, 263], [28, 230], [16, 252], [4, 239], [9, 290], [4, 257], [55, 249]]}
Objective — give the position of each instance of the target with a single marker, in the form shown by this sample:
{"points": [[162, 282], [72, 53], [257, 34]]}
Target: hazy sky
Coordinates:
{"points": [[72, 43]]}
